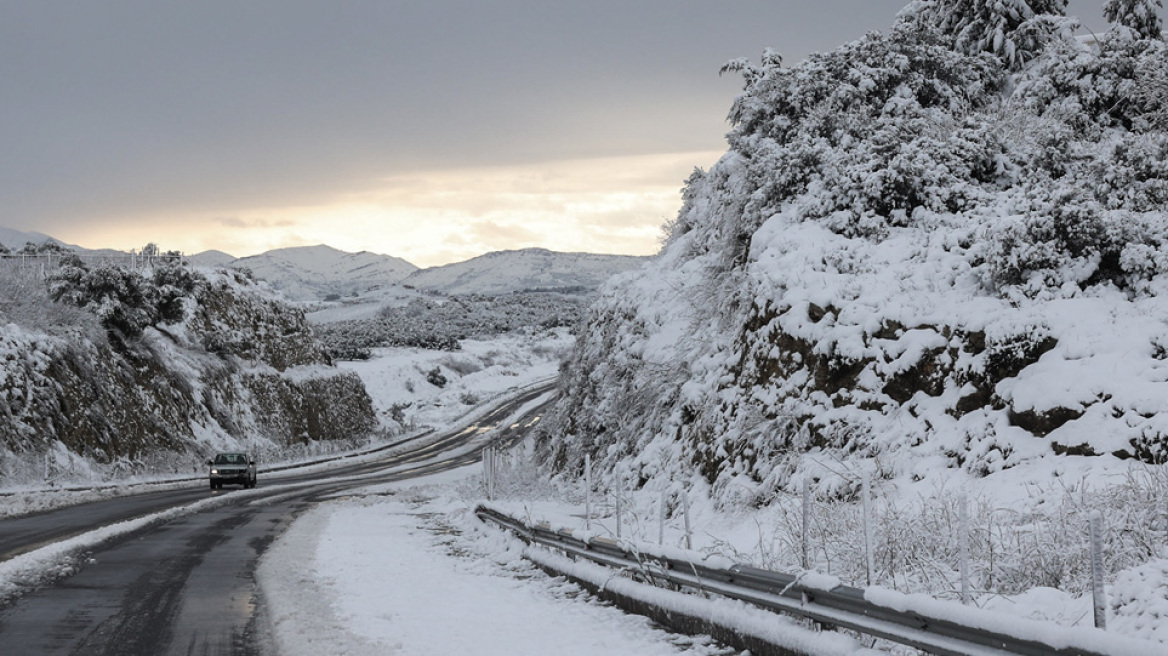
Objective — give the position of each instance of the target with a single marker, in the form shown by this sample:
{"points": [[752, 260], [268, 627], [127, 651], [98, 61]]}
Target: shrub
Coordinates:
{"points": [[430, 324], [436, 378]]}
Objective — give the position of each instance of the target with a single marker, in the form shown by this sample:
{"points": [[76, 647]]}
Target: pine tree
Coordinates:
{"points": [[1138, 15], [1011, 29]]}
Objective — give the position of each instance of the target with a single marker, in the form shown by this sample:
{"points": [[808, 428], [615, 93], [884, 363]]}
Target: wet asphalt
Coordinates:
{"points": [[187, 586]]}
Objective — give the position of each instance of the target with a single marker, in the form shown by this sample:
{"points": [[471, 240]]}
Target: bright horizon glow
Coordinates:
{"points": [[611, 205]]}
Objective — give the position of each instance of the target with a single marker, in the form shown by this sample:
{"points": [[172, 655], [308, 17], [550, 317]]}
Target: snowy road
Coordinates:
{"points": [[187, 585]]}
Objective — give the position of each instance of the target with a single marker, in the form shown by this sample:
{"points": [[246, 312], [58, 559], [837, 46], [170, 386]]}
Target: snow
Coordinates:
{"points": [[364, 306], [387, 582], [311, 273], [406, 568], [802, 325], [445, 569], [742, 618], [16, 239], [1048, 633]]}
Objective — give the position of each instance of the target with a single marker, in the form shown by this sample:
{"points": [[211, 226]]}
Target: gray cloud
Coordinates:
{"points": [[127, 107]]}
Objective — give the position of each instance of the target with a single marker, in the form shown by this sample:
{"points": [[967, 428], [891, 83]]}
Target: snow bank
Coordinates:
{"points": [[386, 574]]}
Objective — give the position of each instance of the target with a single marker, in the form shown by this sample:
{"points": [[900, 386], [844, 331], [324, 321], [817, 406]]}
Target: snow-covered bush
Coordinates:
{"points": [[442, 322], [1137, 15], [864, 135], [436, 378], [126, 300], [1151, 93]]}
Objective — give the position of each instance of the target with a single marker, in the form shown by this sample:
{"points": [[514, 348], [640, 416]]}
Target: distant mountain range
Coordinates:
{"points": [[317, 273]]}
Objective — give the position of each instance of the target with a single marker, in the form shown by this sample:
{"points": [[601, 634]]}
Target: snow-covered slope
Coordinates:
{"points": [[921, 271], [153, 368], [519, 270], [312, 273], [912, 258]]}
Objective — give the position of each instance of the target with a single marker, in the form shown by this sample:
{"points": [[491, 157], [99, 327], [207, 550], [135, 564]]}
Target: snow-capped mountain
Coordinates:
{"points": [[313, 273], [526, 269]]}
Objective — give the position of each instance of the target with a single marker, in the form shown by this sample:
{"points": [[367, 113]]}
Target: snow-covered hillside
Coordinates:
{"points": [[926, 257], [911, 253], [314, 273], [113, 369], [523, 270]]}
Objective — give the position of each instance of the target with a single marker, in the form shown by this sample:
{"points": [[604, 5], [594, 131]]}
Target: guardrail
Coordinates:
{"points": [[942, 628]]}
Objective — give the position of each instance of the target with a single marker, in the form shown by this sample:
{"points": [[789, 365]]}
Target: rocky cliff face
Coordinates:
{"points": [[231, 368], [910, 258]]}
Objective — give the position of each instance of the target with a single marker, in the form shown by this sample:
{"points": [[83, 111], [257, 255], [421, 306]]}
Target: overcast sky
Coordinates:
{"points": [[432, 130]]}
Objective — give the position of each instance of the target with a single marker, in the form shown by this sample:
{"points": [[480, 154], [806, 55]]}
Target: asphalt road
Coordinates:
{"points": [[187, 586]]}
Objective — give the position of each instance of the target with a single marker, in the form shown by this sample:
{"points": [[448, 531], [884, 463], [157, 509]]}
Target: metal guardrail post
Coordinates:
{"points": [[587, 492], [866, 493], [661, 520], [963, 546], [1098, 592], [805, 559], [617, 494]]}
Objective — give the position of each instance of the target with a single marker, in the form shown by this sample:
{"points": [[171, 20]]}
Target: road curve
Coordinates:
{"points": [[187, 586]]}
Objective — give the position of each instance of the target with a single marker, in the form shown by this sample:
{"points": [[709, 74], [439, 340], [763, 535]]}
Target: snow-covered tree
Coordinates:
{"points": [[1014, 30], [1137, 15], [1151, 93]]}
